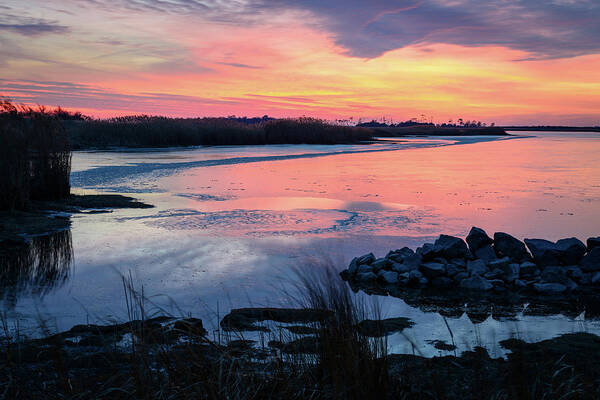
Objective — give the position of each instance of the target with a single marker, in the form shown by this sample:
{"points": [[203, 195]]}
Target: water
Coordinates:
{"points": [[229, 223]]}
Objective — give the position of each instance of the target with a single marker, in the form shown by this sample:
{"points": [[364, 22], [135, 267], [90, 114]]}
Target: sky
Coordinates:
{"points": [[502, 61]]}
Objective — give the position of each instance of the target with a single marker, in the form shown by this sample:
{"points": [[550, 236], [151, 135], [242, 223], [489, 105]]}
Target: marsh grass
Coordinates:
{"points": [[154, 131], [35, 156]]}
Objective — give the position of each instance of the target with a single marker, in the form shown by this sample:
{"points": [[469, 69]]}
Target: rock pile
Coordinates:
{"points": [[484, 264]]}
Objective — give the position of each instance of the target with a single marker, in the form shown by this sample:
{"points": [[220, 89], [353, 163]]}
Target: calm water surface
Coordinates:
{"points": [[229, 223]]}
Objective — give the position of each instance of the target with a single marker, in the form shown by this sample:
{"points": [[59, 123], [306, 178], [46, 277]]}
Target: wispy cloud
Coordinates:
{"points": [[30, 26]]}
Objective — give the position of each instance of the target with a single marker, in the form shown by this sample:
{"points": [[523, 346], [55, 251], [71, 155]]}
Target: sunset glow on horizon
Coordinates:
{"points": [[508, 62]]}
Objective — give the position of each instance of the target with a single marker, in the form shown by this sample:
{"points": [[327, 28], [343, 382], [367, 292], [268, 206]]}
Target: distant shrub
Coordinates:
{"points": [[312, 131], [35, 156]]}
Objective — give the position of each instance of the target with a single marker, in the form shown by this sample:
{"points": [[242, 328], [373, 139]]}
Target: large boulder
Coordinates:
{"points": [[353, 267], [432, 270], [591, 261], [528, 269], [486, 253], [477, 238], [476, 267], [415, 277], [379, 264], [450, 247], [388, 277], [442, 282], [366, 259], [400, 254], [544, 252], [500, 263], [366, 277], [593, 242], [476, 282], [555, 275], [427, 252], [509, 246], [570, 250]]}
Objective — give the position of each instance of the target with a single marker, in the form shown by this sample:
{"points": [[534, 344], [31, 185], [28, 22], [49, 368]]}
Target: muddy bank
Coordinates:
{"points": [[173, 356]]}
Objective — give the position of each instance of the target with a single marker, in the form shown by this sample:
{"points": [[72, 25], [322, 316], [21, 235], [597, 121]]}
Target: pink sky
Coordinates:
{"points": [[337, 61]]}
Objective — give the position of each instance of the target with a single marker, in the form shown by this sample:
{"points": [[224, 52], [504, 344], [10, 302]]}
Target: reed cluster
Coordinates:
{"points": [[35, 156]]}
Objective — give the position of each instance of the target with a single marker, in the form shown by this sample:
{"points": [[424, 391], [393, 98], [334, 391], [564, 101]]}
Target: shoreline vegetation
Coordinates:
{"points": [[326, 354]]}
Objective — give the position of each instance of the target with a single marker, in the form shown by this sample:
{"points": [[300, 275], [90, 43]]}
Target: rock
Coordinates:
{"points": [[452, 269], [544, 252], [427, 252], [509, 246], [431, 270], [400, 268], [593, 242], [460, 262], [442, 282], [451, 247], [389, 277], [244, 319], [595, 278], [400, 254], [591, 261], [476, 282], [365, 277], [586, 279], [412, 261], [511, 272], [378, 264], [362, 269], [476, 267], [500, 263], [528, 269], [440, 260], [477, 238], [549, 288], [570, 250], [366, 259], [416, 277], [574, 272], [494, 274], [460, 276], [555, 275], [353, 267], [486, 253], [379, 328], [519, 284], [346, 275]]}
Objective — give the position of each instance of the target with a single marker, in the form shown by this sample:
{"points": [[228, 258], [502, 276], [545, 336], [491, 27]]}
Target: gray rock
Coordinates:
{"points": [[366, 259], [477, 238], [544, 252], [476, 267], [378, 264], [346, 275], [460, 276], [528, 269], [500, 263], [476, 282], [593, 242], [519, 284], [574, 272], [451, 247], [497, 282], [486, 253], [555, 275], [400, 254], [416, 277], [591, 261], [494, 274], [452, 269], [400, 268], [432, 270], [427, 252], [363, 269], [570, 250], [353, 267], [460, 262], [509, 246], [389, 277], [595, 278], [440, 260], [412, 261], [511, 272], [442, 282], [549, 288], [586, 279], [365, 277]]}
